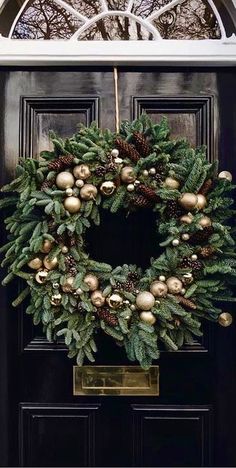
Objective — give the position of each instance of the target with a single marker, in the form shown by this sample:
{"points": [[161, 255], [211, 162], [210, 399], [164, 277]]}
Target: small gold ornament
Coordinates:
{"points": [[107, 188], [115, 301], [69, 192], [174, 285], [145, 300], [97, 298], [145, 173], [35, 263], [225, 175], [64, 249], [115, 153], [183, 291], [56, 299], [91, 281], [130, 187], [187, 278], [79, 183], [158, 289], [88, 192], [187, 219], [201, 202], [68, 284], [50, 264], [225, 319], [152, 171], [188, 201], [171, 183], [72, 204], [78, 291], [185, 236], [205, 221], [162, 278], [148, 317], [137, 182], [175, 242], [41, 276], [47, 246], [127, 175], [65, 180], [133, 307], [194, 257], [82, 172], [118, 161]]}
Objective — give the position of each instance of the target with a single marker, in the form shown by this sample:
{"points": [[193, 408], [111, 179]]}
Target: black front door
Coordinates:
{"points": [[191, 423]]}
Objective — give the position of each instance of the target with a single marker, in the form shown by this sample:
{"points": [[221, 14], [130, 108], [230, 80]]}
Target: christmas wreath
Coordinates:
{"points": [[56, 198]]}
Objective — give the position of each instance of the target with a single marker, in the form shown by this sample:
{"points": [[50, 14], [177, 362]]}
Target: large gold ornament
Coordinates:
{"points": [[72, 204], [171, 183], [188, 201], [88, 192], [41, 276], [82, 172], [127, 175], [148, 317], [97, 298], [205, 221], [56, 299], [225, 319], [187, 219], [115, 301], [225, 175], [107, 188], [174, 285], [50, 264], [91, 281], [158, 289], [65, 180], [145, 300], [47, 246], [35, 263], [201, 201], [68, 284]]}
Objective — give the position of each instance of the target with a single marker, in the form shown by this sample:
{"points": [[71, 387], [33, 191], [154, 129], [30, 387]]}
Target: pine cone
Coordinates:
{"points": [[147, 192], [139, 201], [186, 263], [111, 167], [100, 171], [71, 265], [133, 276], [141, 144], [201, 236], [72, 241], [206, 187], [173, 209], [126, 286], [47, 184], [197, 265], [186, 302], [110, 319], [128, 150], [206, 251], [62, 162]]}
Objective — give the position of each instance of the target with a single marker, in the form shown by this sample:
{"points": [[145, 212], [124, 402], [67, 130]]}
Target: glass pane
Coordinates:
{"points": [[117, 4], [116, 28], [44, 19], [144, 8], [87, 8]]}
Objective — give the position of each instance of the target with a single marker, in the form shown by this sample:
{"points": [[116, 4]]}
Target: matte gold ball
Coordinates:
{"points": [[107, 188], [205, 221], [187, 219], [64, 180], [171, 183], [68, 284], [50, 264], [162, 278], [41, 276], [145, 173], [225, 175], [145, 300], [88, 192], [72, 204], [185, 236], [188, 201], [175, 242], [97, 298], [115, 153], [158, 289], [174, 285], [152, 171], [91, 281], [225, 319], [82, 172], [115, 301], [56, 299], [127, 175], [64, 249], [194, 257], [201, 202], [35, 263], [47, 246], [148, 317]]}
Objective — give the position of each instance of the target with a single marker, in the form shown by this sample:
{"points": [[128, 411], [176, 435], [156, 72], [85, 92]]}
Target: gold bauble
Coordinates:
{"points": [[148, 317], [64, 180], [79, 183], [97, 298], [88, 192], [225, 175], [47, 246], [91, 281], [68, 284], [127, 175], [145, 300], [201, 202], [56, 299], [107, 188], [174, 285], [187, 219], [50, 264], [187, 278], [171, 183], [115, 301], [188, 201], [72, 204], [205, 221], [35, 263], [41, 276], [69, 192], [225, 319], [82, 172], [64, 249], [158, 289]]}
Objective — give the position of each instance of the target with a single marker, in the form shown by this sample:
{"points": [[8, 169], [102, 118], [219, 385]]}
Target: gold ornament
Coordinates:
{"points": [[185, 236], [72, 204], [115, 153], [145, 300], [64, 249], [175, 242], [97, 298], [174, 285], [65, 180], [78, 292], [69, 192], [68, 284], [82, 172], [127, 175], [145, 173], [183, 291], [225, 319], [158, 289], [41, 276], [107, 188], [205, 221], [88, 192], [201, 202], [148, 317], [91, 281], [133, 307], [225, 175], [187, 219], [152, 171], [50, 264], [194, 257], [79, 183], [118, 161], [47, 246], [187, 278], [188, 201], [35, 263], [56, 299], [162, 278], [171, 183], [115, 301], [130, 187]]}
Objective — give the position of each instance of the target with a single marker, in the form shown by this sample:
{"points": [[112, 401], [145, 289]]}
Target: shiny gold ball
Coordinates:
{"points": [[115, 301], [50, 264], [174, 285], [69, 192], [152, 171], [130, 187], [47, 246], [91, 281], [56, 299], [185, 236], [225, 175], [225, 319], [41, 276], [72, 204], [194, 257], [79, 183], [65, 180], [145, 173], [88, 192], [35, 263], [158, 289], [148, 317], [188, 201], [145, 300], [171, 183], [127, 175], [187, 278], [64, 249], [187, 219], [205, 221], [97, 298], [107, 188], [68, 284], [201, 202], [82, 172], [175, 242]]}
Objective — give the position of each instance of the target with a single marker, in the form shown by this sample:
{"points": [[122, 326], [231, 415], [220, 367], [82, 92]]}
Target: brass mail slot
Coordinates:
{"points": [[115, 380]]}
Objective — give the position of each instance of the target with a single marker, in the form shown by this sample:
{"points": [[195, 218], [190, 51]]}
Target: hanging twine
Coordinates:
{"points": [[117, 114]]}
